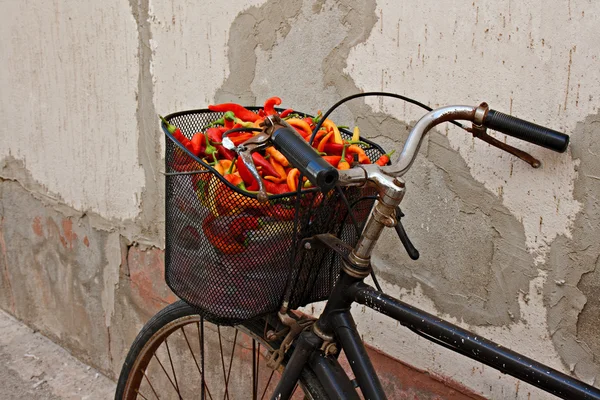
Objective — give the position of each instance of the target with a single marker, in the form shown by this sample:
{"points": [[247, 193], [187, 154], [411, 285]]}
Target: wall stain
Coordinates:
{"points": [[571, 293]]}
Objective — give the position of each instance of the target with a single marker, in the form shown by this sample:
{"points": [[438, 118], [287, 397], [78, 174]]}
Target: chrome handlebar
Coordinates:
{"points": [[361, 174]]}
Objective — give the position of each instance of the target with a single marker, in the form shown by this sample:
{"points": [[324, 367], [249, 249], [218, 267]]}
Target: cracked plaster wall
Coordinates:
{"points": [[507, 251]]}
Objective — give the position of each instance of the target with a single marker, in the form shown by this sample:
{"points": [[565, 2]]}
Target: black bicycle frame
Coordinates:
{"points": [[336, 321]]}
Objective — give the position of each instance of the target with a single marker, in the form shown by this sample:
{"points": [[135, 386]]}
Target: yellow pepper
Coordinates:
{"points": [[337, 137]]}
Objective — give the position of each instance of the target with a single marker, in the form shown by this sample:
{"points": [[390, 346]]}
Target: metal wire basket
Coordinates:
{"points": [[234, 258]]}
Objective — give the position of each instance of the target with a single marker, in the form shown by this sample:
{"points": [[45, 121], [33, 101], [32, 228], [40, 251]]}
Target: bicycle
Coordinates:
{"points": [[329, 260]]}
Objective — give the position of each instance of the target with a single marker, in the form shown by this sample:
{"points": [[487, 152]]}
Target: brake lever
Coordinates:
{"points": [[480, 132], [412, 251]]}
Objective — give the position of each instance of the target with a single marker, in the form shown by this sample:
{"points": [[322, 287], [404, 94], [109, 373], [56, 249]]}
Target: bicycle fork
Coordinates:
{"points": [[336, 322]]}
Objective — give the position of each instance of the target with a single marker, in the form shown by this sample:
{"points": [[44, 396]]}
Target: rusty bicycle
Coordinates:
{"points": [[236, 334]]}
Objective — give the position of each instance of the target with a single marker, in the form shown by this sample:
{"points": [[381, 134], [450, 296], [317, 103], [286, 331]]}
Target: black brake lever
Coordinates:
{"points": [[410, 248]]}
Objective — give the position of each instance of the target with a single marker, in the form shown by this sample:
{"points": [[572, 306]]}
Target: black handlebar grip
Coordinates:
{"points": [[527, 131], [302, 156]]}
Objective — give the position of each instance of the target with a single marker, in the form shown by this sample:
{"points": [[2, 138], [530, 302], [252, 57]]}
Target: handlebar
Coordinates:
{"points": [[323, 175], [526, 131], [302, 156]]}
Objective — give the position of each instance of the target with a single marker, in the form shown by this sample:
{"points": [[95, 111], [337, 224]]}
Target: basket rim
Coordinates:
{"points": [[211, 170]]}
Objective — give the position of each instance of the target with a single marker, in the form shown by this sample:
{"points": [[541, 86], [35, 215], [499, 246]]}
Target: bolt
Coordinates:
{"points": [[399, 182], [307, 246]]}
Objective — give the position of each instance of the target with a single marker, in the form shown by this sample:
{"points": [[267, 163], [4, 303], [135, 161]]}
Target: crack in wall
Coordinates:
{"points": [[152, 213]]}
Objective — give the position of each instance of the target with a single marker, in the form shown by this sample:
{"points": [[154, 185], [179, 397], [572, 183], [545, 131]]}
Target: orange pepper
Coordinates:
{"points": [[280, 170], [319, 135], [343, 164], [301, 124], [292, 179], [355, 149], [276, 154], [327, 138]]}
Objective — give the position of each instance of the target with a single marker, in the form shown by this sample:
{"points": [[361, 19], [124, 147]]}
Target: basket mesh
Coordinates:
{"points": [[234, 258]]}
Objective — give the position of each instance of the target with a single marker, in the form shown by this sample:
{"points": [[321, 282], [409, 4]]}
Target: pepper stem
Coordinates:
{"points": [[170, 128]]}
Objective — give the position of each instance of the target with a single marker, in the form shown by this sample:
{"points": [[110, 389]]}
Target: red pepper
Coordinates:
{"points": [[229, 120], [279, 212], [333, 160], [267, 168], [216, 136], [276, 188], [225, 153], [229, 237], [249, 181], [333, 149], [176, 132], [285, 113], [384, 159], [238, 138], [270, 104], [198, 144], [240, 111]]}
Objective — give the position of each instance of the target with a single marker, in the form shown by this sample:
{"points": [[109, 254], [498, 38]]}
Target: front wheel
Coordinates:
{"points": [[178, 355]]}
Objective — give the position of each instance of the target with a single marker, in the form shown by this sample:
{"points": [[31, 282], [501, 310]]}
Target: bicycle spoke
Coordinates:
{"points": [[201, 344], [139, 394], [257, 365], [266, 387], [254, 380], [191, 351], [168, 377], [231, 363], [226, 394], [172, 367], [151, 387]]}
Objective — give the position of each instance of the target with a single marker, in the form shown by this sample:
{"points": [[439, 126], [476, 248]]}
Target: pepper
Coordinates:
{"points": [[323, 142], [318, 136], [292, 179], [276, 154], [337, 137], [286, 112], [211, 134], [267, 168], [384, 159], [301, 125], [229, 238], [280, 171], [333, 160], [176, 132], [280, 212], [310, 122], [198, 144], [229, 119], [223, 165], [356, 134], [343, 164], [333, 149], [216, 136], [235, 180], [275, 188], [238, 138], [362, 156], [270, 104], [249, 181], [240, 111]]}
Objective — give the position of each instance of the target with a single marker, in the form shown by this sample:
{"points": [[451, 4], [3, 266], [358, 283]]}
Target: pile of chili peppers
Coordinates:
{"points": [[234, 218], [276, 172]]}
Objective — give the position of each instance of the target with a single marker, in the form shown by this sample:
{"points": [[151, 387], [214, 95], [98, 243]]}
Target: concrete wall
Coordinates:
{"points": [[507, 251]]}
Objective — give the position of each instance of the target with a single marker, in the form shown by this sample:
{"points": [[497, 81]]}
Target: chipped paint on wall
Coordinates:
{"points": [[69, 100], [511, 55], [190, 50]]}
